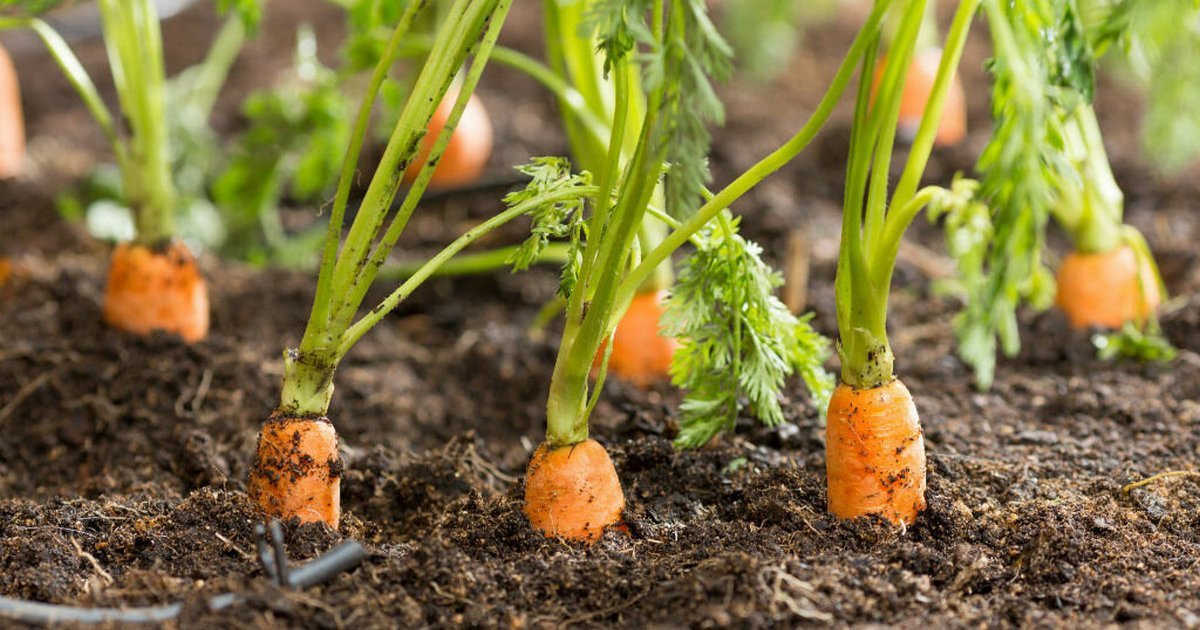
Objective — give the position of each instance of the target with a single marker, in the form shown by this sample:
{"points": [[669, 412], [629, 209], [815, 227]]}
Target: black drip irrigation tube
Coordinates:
{"points": [[341, 558]]}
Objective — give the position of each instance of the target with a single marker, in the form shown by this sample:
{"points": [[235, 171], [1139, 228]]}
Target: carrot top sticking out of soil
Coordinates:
{"points": [[875, 454], [744, 345], [151, 286], [1046, 161], [283, 485]]}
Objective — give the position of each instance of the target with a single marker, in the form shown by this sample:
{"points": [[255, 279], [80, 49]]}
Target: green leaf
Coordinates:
{"points": [[739, 343], [765, 33], [697, 57], [1068, 46], [249, 11], [294, 139], [558, 220], [1132, 342], [369, 24], [619, 26], [27, 8], [1159, 41], [1020, 171]]}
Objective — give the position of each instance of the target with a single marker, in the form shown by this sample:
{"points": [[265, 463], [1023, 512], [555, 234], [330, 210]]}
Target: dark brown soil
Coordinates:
{"points": [[123, 460]]}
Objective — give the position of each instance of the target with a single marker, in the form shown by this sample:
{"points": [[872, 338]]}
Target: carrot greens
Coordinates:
{"points": [[153, 160], [1151, 38], [1045, 160], [652, 94], [738, 339], [872, 225], [346, 273]]}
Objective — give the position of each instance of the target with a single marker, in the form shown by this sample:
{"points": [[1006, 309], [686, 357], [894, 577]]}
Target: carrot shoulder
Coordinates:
{"points": [[640, 353], [573, 491], [1107, 290], [875, 453], [12, 123], [156, 289], [918, 85], [297, 470], [469, 149]]}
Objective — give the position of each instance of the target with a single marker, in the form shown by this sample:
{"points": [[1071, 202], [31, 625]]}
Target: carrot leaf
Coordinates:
{"points": [[556, 220], [1134, 342], [739, 342], [1020, 170], [705, 58], [620, 26], [1154, 37]]}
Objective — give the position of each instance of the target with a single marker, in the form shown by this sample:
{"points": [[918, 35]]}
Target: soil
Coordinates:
{"points": [[123, 459]]}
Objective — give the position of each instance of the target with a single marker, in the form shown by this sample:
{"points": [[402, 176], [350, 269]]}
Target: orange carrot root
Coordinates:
{"points": [[1107, 290], [573, 492], [952, 128], [152, 290], [875, 453], [12, 122], [640, 354], [469, 149], [297, 470]]}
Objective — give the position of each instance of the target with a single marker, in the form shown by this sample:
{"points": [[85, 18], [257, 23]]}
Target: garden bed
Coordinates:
{"points": [[123, 460]]}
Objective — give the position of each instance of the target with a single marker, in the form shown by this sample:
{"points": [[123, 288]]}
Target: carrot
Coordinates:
{"points": [[875, 453], [12, 124], [1107, 290], [641, 354], [572, 491], [297, 470], [156, 289], [874, 448], [918, 84], [469, 149]]}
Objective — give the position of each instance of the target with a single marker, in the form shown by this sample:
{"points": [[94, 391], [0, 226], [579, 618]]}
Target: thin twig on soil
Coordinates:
{"points": [[105, 576], [1162, 475], [25, 392], [796, 269]]}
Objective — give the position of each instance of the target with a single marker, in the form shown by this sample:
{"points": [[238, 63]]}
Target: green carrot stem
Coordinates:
{"points": [[1095, 218], [477, 263], [134, 43], [864, 285], [363, 280], [317, 332], [402, 147], [769, 164], [375, 315]]}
